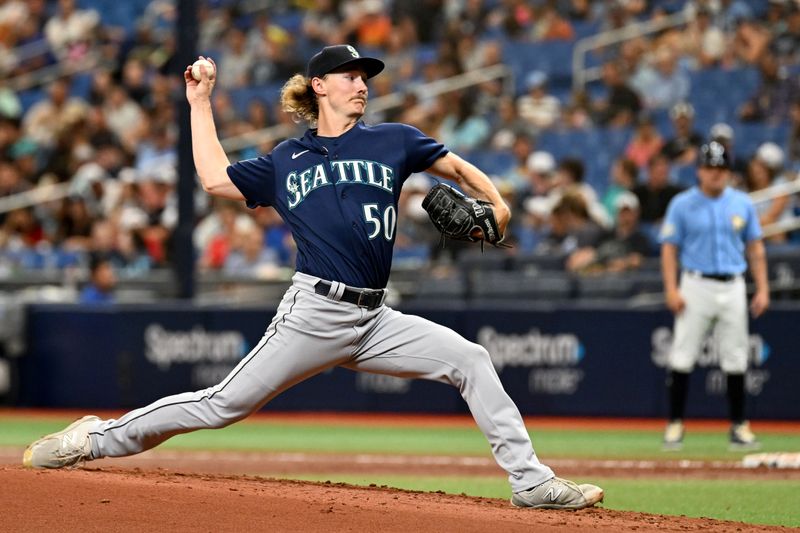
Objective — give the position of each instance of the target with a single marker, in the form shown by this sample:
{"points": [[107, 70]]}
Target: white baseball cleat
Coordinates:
{"points": [[742, 438], [557, 493], [673, 436], [62, 449]]}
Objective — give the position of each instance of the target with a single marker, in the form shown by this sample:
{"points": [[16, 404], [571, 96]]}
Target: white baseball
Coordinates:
{"points": [[196, 68]]}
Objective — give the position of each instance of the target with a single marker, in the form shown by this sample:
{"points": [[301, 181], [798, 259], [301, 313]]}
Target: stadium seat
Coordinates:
{"points": [[472, 260], [433, 290], [535, 263], [605, 287], [520, 286]]}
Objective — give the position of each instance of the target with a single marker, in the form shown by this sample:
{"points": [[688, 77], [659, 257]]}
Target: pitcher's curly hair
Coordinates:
{"points": [[299, 100]]}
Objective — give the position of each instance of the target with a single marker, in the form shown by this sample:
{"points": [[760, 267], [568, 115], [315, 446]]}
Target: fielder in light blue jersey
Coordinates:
{"points": [[711, 232]]}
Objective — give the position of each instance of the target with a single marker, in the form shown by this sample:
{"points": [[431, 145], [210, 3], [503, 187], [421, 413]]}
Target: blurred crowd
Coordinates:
{"points": [[110, 134]]}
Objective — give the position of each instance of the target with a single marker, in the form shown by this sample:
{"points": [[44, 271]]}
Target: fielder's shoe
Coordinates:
{"points": [[557, 493], [673, 436], [742, 438], [62, 449]]}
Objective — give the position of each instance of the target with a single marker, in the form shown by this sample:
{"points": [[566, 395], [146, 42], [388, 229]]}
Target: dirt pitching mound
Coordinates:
{"points": [[113, 499]]}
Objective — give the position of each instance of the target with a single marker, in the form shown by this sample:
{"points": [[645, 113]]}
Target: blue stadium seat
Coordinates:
{"points": [[553, 58], [605, 287]]}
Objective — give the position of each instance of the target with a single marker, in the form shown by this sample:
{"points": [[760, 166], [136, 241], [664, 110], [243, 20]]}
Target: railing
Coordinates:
{"points": [[39, 195], [777, 191], [581, 74]]}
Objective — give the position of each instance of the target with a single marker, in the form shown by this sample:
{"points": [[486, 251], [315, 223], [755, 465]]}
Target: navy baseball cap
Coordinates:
{"points": [[714, 155], [331, 58]]}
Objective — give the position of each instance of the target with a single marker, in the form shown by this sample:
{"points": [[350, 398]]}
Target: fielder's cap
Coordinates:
{"points": [[541, 162], [721, 131], [714, 155], [331, 58], [626, 200], [770, 154]]}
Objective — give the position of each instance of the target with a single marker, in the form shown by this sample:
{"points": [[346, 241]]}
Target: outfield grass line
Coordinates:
{"points": [[436, 420]]}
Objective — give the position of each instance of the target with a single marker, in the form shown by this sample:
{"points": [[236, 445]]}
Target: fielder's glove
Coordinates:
{"points": [[458, 216]]}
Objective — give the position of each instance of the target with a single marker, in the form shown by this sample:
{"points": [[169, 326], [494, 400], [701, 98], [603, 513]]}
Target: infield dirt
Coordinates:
{"points": [[116, 495]]}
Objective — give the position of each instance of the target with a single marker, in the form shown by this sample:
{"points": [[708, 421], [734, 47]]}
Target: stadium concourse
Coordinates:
{"points": [[623, 142]]}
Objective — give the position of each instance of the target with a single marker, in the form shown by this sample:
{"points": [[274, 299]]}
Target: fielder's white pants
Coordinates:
{"points": [[719, 307], [311, 333]]}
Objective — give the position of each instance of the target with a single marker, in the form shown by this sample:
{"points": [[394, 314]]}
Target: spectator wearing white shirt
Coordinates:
{"points": [[538, 108], [71, 31]]}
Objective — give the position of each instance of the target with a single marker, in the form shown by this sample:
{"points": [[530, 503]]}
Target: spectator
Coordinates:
{"points": [[71, 32], [569, 177], [124, 117], [135, 81], [549, 25], [103, 243], [664, 84], [786, 44], [214, 235], [157, 152], [622, 104], [367, 21], [10, 106], [750, 42], [277, 236], [703, 41], [250, 258], [772, 100], [621, 249], [683, 146], [461, 130], [628, 245], [74, 224], [236, 61], [102, 282], [654, 195], [322, 25], [521, 149], [646, 142], [731, 13], [541, 167], [538, 108], [623, 179], [766, 170], [46, 119], [579, 234]]}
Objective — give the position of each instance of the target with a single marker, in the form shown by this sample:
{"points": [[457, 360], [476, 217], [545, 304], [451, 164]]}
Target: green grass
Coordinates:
{"points": [[276, 436], [763, 502]]}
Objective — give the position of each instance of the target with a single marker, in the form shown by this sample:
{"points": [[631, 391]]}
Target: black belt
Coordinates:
{"points": [[716, 277], [369, 298]]}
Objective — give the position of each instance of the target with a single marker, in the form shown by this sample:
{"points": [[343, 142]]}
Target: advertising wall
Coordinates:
{"points": [[592, 362]]}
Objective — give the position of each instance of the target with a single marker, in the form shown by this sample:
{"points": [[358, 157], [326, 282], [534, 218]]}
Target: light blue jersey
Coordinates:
{"points": [[711, 233]]}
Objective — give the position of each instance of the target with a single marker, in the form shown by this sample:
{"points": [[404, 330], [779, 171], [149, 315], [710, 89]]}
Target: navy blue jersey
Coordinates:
{"points": [[339, 196]]}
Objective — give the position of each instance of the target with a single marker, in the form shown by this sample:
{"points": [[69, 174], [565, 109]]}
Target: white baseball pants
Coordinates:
{"points": [[711, 305], [311, 333]]}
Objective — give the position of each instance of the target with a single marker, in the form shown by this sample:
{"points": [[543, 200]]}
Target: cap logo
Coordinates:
{"points": [[353, 51]]}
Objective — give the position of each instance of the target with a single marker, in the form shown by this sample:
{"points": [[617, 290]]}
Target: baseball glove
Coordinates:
{"points": [[458, 216]]}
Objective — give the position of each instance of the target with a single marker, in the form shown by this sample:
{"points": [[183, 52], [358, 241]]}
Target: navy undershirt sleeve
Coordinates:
{"points": [[255, 178], [421, 150]]}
